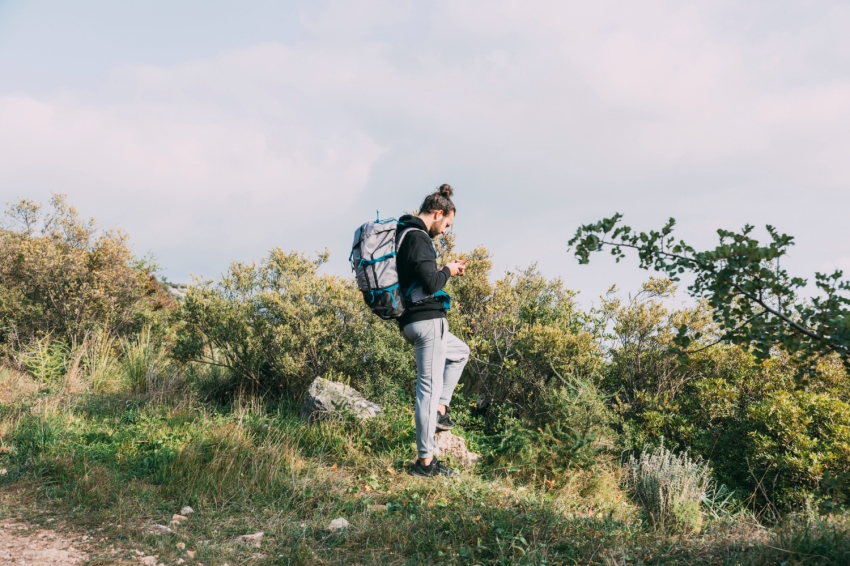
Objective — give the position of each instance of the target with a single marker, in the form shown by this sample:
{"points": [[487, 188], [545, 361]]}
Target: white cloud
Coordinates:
{"points": [[183, 167], [544, 115]]}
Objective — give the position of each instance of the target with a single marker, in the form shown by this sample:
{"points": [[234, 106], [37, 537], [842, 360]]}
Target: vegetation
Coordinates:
{"points": [[62, 277], [669, 488], [121, 405], [753, 300]]}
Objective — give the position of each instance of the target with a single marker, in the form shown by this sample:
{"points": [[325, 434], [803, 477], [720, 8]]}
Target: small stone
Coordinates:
{"points": [[377, 508], [338, 524], [187, 511], [180, 545], [159, 530], [3, 471], [254, 540], [181, 561], [148, 560], [190, 553], [179, 518]]}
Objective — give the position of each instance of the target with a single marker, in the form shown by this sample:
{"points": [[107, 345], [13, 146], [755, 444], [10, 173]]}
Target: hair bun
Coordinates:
{"points": [[446, 191]]}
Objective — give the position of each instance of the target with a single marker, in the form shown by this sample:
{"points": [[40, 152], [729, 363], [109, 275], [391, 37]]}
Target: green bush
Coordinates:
{"points": [[278, 325], [526, 334], [769, 435], [571, 431], [61, 276], [796, 437], [144, 361], [45, 359]]}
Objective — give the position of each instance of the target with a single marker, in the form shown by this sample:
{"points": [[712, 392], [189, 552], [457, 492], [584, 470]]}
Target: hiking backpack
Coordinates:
{"points": [[373, 260]]}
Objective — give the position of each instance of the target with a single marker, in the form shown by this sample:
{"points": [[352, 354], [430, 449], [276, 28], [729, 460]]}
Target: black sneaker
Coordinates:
{"points": [[434, 469], [444, 422]]}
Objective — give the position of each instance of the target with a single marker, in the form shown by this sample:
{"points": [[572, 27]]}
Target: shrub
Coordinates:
{"points": [[62, 277], [669, 488], [769, 435], [571, 430], [277, 325], [526, 334], [98, 361], [45, 359], [796, 437]]}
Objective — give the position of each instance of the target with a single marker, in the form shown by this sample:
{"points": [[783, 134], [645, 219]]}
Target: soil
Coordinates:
{"points": [[24, 545]]}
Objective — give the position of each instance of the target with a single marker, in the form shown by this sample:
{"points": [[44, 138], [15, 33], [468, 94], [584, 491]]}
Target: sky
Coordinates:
{"points": [[214, 131]]}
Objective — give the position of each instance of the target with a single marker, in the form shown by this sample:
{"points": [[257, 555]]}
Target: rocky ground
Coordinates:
{"points": [[25, 545]]}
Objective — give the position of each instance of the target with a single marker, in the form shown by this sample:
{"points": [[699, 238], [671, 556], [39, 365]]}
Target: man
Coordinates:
{"points": [[440, 356]]}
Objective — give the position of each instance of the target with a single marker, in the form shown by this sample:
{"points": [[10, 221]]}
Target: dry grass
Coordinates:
{"points": [[16, 387]]}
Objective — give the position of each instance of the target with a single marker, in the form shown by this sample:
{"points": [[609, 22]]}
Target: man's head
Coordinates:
{"points": [[438, 211]]}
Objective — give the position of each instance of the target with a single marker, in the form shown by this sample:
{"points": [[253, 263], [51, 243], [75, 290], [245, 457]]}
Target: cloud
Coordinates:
{"points": [[182, 167], [542, 114]]}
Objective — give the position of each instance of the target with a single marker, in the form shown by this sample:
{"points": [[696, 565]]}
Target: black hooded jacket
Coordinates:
{"points": [[417, 263]]}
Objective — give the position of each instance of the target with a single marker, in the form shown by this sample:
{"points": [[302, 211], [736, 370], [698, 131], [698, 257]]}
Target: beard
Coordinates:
{"points": [[435, 229]]}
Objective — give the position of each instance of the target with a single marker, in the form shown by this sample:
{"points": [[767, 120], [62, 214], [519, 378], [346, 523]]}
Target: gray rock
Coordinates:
{"points": [[326, 398], [187, 511], [338, 524], [447, 444]]}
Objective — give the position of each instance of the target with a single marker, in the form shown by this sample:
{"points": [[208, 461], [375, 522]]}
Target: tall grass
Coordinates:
{"points": [[145, 363], [99, 362], [669, 488], [226, 464]]}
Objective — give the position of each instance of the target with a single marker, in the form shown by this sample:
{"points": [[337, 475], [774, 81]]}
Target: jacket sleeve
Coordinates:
{"points": [[424, 264]]}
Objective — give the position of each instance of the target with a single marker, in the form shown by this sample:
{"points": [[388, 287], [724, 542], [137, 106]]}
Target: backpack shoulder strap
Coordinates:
{"points": [[404, 233]]}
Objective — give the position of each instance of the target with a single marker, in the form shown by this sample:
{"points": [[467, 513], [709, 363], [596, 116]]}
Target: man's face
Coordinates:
{"points": [[441, 223]]}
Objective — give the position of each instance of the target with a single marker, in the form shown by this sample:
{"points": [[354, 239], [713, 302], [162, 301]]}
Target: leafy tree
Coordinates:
{"points": [[755, 303]]}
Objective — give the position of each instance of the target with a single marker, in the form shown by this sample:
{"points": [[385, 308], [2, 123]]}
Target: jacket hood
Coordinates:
{"points": [[413, 221]]}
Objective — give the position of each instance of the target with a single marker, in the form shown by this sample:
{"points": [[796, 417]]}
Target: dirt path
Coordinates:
{"points": [[24, 545]]}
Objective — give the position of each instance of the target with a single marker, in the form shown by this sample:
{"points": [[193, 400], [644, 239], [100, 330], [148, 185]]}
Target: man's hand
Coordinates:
{"points": [[457, 267]]}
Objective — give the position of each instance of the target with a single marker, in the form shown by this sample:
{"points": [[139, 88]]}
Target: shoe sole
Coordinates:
{"points": [[417, 476], [420, 476], [444, 428]]}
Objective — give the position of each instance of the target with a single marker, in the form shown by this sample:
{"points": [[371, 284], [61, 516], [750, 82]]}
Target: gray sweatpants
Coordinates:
{"points": [[440, 359]]}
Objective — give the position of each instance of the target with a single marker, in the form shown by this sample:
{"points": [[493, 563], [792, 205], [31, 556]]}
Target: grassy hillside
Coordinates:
{"points": [[120, 404]]}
